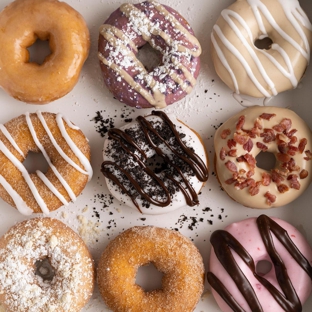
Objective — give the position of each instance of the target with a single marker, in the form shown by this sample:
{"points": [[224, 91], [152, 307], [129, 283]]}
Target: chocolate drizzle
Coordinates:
{"points": [[159, 143], [223, 242]]}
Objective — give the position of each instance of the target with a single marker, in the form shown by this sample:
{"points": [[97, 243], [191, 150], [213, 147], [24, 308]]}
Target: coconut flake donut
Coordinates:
{"points": [[23, 22], [129, 28], [257, 129], [171, 253], [64, 147], [44, 266], [283, 30], [156, 164], [260, 264]]}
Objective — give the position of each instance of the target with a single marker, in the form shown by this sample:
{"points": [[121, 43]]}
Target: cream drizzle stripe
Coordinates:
{"points": [[26, 176], [46, 156], [20, 204], [10, 139]]}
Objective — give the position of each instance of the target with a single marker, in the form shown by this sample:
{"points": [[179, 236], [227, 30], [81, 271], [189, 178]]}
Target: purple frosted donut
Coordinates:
{"points": [[125, 32]]}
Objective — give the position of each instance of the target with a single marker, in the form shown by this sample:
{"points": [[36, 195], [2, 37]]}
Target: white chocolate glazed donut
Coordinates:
{"points": [[242, 137], [44, 267], [64, 147], [235, 266], [249, 70], [133, 176]]}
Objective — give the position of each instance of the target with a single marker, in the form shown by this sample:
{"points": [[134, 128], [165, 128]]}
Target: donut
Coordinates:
{"points": [[171, 253], [261, 47], [44, 266], [240, 284], [65, 149], [128, 29], [155, 164], [22, 22], [276, 131]]}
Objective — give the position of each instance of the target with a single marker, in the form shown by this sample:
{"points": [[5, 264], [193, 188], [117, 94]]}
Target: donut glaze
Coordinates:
{"points": [[128, 29], [233, 266], [257, 129], [261, 72], [64, 147], [23, 22], [156, 164], [64, 283], [171, 253]]}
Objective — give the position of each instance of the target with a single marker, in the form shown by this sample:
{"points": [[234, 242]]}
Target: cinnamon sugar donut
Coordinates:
{"points": [[64, 147], [156, 164], [23, 22], [260, 264], [171, 253], [244, 136], [245, 66], [44, 266], [129, 28]]}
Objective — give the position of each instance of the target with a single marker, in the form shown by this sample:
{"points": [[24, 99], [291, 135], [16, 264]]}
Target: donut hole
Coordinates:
{"points": [[149, 278], [266, 160], [263, 267], [156, 164], [39, 51], [149, 57], [35, 161], [44, 269], [264, 43]]}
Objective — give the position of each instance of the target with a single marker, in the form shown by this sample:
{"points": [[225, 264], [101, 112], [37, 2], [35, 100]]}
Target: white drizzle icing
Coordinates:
{"points": [[10, 139], [296, 17]]}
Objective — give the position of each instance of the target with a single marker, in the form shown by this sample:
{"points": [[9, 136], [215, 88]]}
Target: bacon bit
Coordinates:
{"points": [[278, 128], [291, 133], [240, 123], [232, 153], [241, 159], [294, 183], [251, 161], [276, 176], [222, 153], [248, 146], [267, 116], [291, 165], [251, 182], [252, 133], [250, 173], [292, 150], [270, 198], [282, 188], [230, 181], [242, 171], [293, 140], [283, 158], [254, 190], [258, 124], [241, 186], [241, 138], [284, 125], [283, 147], [309, 155], [266, 179], [225, 133], [302, 145], [262, 146], [268, 135], [231, 166], [231, 143], [303, 174]]}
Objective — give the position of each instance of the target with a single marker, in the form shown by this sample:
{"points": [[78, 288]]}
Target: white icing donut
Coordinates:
{"points": [[254, 71], [257, 129], [44, 266], [129, 159]]}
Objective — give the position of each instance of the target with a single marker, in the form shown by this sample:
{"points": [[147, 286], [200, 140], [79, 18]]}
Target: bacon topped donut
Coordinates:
{"points": [[244, 136], [129, 28]]}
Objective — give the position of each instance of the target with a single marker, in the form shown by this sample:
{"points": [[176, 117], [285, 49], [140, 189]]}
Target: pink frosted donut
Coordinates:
{"points": [[237, 282], [129, 28]]}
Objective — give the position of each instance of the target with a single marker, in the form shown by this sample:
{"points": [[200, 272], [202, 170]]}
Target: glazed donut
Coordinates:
{"points": [[156, 164], [125, 32], [24, 21], [237, 279], [171, 253], [45, 266], [64, 147], [244, 136], [283, 30]]}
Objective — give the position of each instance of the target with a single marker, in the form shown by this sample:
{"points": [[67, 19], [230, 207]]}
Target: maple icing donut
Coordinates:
{"points": [[260, 264], [64, 147], [129, 28], [171, 253], [23, 22], [45, 266], [261, 72], [156, 164], [244, 136]]}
